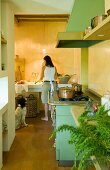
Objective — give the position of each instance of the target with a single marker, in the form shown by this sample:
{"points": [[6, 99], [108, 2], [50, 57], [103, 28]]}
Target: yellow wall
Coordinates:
{"points": [[32, 37], [99, 67], [107, 5]]}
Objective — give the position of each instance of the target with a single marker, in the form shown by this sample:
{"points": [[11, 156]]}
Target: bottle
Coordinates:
{"points": [[105, 100], [3, 66], [88, 30]]}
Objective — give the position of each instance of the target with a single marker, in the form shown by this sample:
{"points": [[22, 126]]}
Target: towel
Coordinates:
{"points": [[21, 87]]}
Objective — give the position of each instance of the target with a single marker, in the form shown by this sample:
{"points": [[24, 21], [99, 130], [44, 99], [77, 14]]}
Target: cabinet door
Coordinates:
{"points": [[64, 150]]}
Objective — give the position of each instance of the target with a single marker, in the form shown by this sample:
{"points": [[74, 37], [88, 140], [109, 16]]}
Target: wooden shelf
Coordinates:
{"points": [[3, 41], [100, 32], [75, 40]]}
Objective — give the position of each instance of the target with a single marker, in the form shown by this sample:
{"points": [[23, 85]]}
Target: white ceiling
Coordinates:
{"points": [[41, 6]]}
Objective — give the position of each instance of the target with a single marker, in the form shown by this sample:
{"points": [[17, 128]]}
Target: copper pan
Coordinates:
{"points": [[66, 92]]}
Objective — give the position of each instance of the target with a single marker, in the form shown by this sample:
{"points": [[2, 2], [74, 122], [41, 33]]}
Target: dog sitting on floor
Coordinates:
{"points": [[20, 113]]}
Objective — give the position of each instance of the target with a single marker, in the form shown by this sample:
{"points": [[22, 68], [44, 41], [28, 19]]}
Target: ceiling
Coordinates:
{"points": [[41, 6]]}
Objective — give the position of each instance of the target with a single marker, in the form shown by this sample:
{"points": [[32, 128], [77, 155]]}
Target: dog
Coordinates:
{"points": [[20, 113]]}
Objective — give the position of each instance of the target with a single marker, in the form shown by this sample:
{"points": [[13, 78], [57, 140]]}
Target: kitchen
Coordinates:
{"points": [[98, 56]]}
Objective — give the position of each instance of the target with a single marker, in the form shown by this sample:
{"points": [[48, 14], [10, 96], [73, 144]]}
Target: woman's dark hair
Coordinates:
{"points": [[48, 61], [22, 102]]}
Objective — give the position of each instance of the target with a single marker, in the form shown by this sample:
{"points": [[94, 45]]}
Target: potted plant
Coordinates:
{"points": [[91, 138]]}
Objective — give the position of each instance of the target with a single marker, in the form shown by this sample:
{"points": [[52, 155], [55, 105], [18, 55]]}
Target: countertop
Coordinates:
{"points": [[93, 95], [77, 108], [76, 111], [54, 100], [28, 86]]}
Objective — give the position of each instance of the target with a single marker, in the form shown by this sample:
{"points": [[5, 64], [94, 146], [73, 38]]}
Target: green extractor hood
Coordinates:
{"points": [[73, 40], [82, 13]]}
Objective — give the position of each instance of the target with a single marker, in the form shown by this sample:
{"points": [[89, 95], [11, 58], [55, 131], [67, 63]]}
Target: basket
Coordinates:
{"points": [[31, 106]]}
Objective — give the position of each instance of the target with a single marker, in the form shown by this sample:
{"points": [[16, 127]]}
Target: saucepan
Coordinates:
{"points": [[97, 19], [66, 92], [77, 87]]}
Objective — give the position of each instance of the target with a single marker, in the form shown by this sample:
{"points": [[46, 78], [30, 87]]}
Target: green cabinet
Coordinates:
{"points": [[64, 150]]}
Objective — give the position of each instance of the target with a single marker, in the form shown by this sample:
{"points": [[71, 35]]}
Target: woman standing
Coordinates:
{"points": [[48, 76]]}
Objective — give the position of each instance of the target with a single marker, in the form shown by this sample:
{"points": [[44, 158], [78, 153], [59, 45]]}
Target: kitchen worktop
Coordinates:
{"points": [[28, 86], [76, 111], [67, 112], [54, 99], [34, 85]]}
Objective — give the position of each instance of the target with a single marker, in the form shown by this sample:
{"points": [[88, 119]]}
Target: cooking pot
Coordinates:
{"points": [[108, 12], [66, 92], [77, 87], [97, 19]]}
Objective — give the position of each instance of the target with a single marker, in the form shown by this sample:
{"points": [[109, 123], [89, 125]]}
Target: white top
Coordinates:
{"points": [[49, 73]]}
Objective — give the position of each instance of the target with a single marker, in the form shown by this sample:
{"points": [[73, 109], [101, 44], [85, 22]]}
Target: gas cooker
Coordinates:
{"points": [[80, 97]]}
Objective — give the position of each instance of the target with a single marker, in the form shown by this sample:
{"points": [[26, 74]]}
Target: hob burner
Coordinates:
{"points": [[76, 98]]}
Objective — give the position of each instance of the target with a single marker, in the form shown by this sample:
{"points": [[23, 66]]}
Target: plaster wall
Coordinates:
{"points": [[30, 40], [99, 67], [107, 5], [11, 85], [7, 113], [7, 27]]}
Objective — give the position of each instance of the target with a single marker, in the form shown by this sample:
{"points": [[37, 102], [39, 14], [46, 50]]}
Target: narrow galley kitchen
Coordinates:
{"points": [[29, 148], [32, 149]]}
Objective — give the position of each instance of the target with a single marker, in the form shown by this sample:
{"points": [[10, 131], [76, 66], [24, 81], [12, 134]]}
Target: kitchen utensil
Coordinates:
{"points": [[63, 79], [66, 92], [77, 87], [73, 79], [97, 19], [88, 30]]}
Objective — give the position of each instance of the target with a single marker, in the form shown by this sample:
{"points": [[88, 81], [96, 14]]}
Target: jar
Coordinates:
{"points": [[88, 30]]}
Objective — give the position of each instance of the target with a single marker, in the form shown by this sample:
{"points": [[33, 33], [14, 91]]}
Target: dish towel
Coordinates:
{"points": [[20, 87], [52, 86]]}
